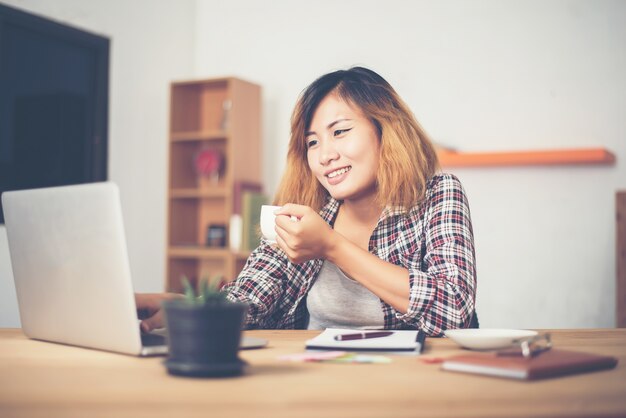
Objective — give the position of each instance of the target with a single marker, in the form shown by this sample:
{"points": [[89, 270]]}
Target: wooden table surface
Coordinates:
{"points": [[39, 379]]}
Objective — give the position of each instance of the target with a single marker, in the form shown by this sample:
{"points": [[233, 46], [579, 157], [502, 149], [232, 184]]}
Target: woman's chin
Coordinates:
{"points": [[352, 197]]}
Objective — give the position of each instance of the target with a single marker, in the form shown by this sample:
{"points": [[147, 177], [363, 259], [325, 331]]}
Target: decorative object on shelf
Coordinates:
{"points": [[226, 106], [216, 236], [204, 331], [209, 163]]}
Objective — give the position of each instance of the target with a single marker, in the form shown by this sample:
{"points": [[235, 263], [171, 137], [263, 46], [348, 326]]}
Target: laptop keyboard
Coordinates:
{"points": [[151, 340]]}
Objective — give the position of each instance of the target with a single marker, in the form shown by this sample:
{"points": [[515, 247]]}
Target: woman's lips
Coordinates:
{"points": [[339, 178]]}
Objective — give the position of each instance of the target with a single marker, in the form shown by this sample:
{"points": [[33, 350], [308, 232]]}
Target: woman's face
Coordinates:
{"points": [[343, 150]]}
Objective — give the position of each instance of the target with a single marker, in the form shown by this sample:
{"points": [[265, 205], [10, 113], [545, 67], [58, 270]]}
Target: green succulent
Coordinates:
{"points": [[208, 291]]}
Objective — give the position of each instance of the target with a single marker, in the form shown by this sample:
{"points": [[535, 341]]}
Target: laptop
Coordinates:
{"points": [[71, 269]]}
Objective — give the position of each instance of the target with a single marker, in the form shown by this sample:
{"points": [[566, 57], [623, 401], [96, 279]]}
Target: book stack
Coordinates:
{"points": [[248, 197]]}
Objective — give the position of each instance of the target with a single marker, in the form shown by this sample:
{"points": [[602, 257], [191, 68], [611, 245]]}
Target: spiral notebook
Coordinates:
{"points": [[397, 341]]}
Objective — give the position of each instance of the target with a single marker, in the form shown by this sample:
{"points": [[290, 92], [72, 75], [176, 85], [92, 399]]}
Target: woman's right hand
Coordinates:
{"points": [[302, 233], [149, 309]]}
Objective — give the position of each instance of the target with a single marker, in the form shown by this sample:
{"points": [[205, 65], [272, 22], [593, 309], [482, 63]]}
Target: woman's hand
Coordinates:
{"points": [[302, 234], [149, 309]]}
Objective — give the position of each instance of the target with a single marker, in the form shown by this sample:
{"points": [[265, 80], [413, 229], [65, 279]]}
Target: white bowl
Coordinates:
{"points": [[486, 338]]}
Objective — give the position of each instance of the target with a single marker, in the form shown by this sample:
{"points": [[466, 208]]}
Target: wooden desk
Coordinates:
{"points": [[39, 379]]}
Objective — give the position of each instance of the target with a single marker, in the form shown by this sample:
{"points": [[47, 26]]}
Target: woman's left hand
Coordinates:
{"points": [[302, 234]]}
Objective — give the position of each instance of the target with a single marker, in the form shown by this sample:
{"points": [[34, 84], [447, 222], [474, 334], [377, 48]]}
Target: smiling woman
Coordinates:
{"points": [[381, 240]]}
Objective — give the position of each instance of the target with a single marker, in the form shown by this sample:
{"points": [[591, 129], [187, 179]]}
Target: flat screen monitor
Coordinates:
{"points": [[53, 103]]}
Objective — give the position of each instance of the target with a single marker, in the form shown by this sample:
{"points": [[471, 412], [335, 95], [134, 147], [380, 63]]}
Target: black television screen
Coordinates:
{"points": [[53, 103]]}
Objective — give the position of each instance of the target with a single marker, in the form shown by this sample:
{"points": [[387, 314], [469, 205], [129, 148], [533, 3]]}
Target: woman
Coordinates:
{"points": [[381, 240]]}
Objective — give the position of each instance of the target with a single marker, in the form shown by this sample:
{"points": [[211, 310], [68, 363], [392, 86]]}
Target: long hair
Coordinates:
{"points": [[407, 157]]}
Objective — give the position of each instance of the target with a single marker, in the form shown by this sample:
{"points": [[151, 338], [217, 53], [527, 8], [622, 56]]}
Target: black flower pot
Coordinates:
{"points": [[203, 339]]}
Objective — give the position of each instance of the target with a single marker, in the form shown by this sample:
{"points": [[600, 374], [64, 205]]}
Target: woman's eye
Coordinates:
{"points": [[311, 142], [340, 132]]}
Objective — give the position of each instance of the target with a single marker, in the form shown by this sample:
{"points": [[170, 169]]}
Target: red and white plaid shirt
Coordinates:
{"points": [[433, 240]]}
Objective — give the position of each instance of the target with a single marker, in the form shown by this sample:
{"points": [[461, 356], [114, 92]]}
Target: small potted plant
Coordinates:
{"points": [[204, 330]]}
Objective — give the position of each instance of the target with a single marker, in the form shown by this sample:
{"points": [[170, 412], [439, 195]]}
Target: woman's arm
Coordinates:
{"points": [[435, 291], [442, 276], [260, 284], [311, 237]]}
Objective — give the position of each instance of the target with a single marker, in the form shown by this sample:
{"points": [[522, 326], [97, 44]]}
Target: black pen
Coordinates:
{"points": [[362, 335]]}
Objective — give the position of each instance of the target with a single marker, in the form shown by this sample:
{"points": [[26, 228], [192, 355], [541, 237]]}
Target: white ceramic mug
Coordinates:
{"points": [[268, 222]]}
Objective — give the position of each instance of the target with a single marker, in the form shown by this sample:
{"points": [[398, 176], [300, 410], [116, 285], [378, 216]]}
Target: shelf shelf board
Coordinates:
{"points": [[197, 251], [581, 156], [191, 136], [194, 193], [190, 251], [201, 82]]}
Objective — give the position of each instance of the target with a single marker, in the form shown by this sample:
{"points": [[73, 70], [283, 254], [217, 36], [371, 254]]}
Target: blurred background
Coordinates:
{"points": [[484, 75]]}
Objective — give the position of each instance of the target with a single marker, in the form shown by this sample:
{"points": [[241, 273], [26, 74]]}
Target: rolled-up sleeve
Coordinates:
{"points": [[442, 269]]}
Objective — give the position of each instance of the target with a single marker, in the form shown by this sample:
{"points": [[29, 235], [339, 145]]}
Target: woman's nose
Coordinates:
{"points": [[328, 152]]}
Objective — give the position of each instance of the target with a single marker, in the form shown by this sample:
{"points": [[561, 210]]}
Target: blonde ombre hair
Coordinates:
{"points": [[407, 157]]}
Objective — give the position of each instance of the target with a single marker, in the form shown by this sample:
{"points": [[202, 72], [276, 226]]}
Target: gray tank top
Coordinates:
{"points": [[337, 301]]}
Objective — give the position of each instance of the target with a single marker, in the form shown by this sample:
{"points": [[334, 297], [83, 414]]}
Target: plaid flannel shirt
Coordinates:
{"points": [[433, 240]]}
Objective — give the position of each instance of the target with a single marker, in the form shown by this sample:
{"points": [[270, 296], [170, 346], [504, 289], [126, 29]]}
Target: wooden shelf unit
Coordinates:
{"points": [[222, 114], [620, 215], [598, 156]]}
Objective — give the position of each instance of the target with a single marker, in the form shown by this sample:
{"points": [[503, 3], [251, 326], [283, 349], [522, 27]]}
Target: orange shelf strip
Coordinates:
{"points": [[518, 158]]}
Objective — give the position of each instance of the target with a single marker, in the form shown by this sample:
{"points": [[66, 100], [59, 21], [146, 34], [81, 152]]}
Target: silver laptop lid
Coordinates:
{"points": [[70, 266]]}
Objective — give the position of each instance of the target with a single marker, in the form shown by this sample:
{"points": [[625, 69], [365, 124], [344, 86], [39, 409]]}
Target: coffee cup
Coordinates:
{"points": [[268, 222]]}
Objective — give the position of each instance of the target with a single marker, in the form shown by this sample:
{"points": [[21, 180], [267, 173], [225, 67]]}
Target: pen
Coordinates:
{"points": [[362, 335]]}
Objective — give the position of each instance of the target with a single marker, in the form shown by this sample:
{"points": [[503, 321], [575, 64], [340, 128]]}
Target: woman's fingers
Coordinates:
{"points": [[149, 309]]}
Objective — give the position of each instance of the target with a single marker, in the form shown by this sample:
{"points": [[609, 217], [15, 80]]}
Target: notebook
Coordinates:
{"points": [[401, 341], [548, 364], [71, 269]]}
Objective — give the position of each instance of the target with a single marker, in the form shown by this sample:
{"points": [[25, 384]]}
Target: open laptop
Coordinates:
{"points": [[71, 269]]}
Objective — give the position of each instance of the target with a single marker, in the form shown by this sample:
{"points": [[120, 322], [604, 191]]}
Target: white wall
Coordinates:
{"points": [[480, 75], [151, 44]]}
